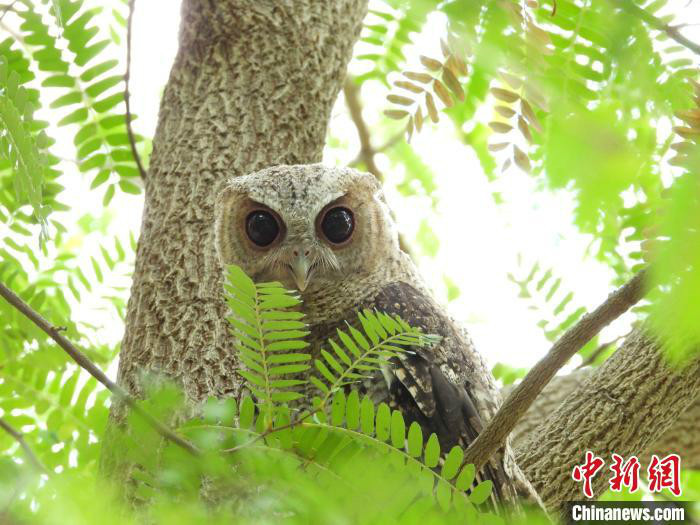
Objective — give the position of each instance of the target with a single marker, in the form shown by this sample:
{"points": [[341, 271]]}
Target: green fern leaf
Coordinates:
{"points": [[268, 339], [338, 408], [415, 440], [357, 358], [452, 462], [288, 358], [383, 422], [319, 384], [443, 494], [287, 345], [321, 367], [398, 430], [340, 353], [481, 492], [432, 452], [247, 413], [352, 410], [367, 416]]}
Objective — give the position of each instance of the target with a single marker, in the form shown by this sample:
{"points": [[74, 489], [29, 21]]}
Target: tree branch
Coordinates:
{"points": [[19, 437], [272, 430], [680, 437], [367, 152], [7, 8], [390, 142], [599, 351], [626, 406], [84, 362], [18, 38], [523, 395], [658, 24], [127, 75], [379, 149]]}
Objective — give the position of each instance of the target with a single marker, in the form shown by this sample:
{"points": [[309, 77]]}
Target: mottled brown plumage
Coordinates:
{"points": [[447, 389]]}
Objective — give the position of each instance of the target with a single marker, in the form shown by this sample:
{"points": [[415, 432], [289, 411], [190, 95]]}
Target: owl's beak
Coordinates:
{"points": [[299, 268]]}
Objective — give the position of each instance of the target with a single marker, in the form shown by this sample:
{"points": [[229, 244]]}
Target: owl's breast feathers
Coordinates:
{"points": [[441, 388]]}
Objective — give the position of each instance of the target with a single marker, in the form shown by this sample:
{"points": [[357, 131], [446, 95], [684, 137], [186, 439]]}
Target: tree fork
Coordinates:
{"points": [[524, 394], [628, 405], [252, 85], [679, 437]]}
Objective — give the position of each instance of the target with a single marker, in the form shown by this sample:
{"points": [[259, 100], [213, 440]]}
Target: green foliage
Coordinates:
{"points": [[388, 31], [266, 333], [338, 439], [583, 99], [270, 340], [88, 89], [675, 251], [557, 310], [53, 64], [22, 141], [555, 304], [346, 457], [60, 410], [418, 177], [583, 111], [675, 306]]}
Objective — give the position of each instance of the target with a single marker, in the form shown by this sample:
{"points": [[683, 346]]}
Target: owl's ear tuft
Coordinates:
{"points": [[230, 191], [366, 180]]}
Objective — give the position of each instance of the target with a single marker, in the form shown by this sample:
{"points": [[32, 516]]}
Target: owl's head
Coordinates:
{"points": [[306, 226]]}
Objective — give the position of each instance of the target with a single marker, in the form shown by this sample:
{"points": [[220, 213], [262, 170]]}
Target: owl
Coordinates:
{"points": [[328, 232]]}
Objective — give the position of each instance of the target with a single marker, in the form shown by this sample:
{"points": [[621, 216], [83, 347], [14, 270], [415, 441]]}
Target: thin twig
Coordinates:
{"points": [[389, 143], [658, 24], [367, 152], [599, 351], [8, 8], [84, 362], [14, 34], [379, 149], [19, 437], [523, 395], [127, 75], [271, 431]]}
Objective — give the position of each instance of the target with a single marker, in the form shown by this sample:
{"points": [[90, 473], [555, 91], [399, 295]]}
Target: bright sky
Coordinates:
{"points": [[480, 241]]}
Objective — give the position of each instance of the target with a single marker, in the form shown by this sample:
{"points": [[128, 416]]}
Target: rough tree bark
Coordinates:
{"points": [[681, 437], [626, 406], [253, 85]]}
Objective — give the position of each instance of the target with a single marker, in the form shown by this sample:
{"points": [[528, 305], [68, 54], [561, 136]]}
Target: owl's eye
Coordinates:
{"points": [[338, 224], [262, 228]]}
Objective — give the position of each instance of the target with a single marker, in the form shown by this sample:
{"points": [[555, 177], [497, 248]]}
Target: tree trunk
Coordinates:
{"points": [[253, 85], [625, 406], [681, 437]]}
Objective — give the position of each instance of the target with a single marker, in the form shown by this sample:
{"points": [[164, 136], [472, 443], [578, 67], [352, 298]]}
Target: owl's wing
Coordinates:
{"points": [[422, 393], [444, 388], [441, 388]]}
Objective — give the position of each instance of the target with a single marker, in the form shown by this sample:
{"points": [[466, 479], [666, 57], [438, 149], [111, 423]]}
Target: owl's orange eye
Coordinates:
{"points": [[338, 224], [262, 228]]}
